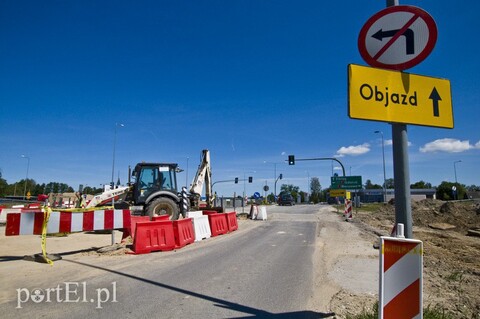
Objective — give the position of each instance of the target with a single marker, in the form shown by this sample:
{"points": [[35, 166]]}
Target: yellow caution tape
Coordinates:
{"points": [[80, 210], [46, 217]]}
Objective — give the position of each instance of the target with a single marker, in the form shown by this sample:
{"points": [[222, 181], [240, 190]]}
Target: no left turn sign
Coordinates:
{"points": [[397, 38]]}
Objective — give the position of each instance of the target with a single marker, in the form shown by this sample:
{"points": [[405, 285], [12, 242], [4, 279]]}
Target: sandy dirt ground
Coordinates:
{"points": [[346, 278], [451, 256]]}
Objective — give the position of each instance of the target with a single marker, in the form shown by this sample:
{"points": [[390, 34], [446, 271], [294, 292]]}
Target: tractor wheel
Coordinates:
{"points": [[163, 206]]}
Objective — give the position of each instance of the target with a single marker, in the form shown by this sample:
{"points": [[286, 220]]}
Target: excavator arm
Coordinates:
{"points": [[106, 197], [203, 178]]}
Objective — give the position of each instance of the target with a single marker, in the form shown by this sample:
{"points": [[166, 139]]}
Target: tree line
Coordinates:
{"points": [[25, 186], [444, 191]]}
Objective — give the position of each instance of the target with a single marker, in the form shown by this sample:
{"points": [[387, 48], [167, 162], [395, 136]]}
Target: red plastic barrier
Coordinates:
{"points": [[183, 232], [161, 217], [133, 224], [232, 221], [136, 219], [218, 224], [153, 236], [209, 212]]}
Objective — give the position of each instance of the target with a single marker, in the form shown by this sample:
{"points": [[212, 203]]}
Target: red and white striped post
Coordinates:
{"points": [[401, 278], [348, 209]]}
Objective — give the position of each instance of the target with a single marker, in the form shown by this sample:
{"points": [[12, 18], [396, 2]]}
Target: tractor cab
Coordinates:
{"points": [[152, 179]]}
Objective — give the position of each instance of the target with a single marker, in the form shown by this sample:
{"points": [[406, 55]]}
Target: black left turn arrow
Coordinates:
{"points": [[408, 34], [435, 97]]}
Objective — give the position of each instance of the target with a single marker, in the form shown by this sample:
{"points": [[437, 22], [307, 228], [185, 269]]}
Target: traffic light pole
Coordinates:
{"points": [[236, 180], [275, 186], [321, 159]]}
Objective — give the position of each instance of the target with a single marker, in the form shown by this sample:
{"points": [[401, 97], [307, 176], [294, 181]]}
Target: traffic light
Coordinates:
{"points": [[236, 180], [281, 176], [250, 179], [291, 159]]}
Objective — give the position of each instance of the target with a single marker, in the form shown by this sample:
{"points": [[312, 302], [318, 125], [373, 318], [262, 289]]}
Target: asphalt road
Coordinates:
{"points": [[263, 271]]}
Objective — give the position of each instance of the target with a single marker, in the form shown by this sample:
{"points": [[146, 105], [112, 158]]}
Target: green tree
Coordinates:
{"points": [[290, 189], [316, 190], [20, 188], [445, 192], [3, 186], [271, 198], [420, 185], [54, 187], [390, 183], [473, 188], [370, 185]]}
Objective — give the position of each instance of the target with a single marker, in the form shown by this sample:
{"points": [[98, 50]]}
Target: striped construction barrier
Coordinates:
{"points": [[348, 209], [147, 235], [5, 211], [401, 280], [31, 223]]}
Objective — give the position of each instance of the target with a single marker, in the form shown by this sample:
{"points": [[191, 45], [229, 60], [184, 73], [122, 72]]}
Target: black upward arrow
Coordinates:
{"points": [[408, 34], [435, 97]]}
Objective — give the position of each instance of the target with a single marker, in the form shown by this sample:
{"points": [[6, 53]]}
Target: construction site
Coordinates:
{"points": [[450, 231]]}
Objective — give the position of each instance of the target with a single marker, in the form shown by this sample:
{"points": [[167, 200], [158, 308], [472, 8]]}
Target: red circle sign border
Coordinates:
{"points": [[432, 37]]}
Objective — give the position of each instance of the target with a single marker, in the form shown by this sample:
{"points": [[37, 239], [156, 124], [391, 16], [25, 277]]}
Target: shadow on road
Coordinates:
{"points": [[31, 257], [255, 313]]}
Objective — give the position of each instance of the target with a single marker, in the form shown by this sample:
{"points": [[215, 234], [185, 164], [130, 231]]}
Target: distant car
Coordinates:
{"points": [[285, 199]]}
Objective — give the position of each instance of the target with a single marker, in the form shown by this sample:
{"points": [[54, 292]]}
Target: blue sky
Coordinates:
{"points": [[252, 81]]}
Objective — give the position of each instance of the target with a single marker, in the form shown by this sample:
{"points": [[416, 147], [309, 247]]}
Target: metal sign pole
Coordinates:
{"points": [[401, 175], [401, 171]]}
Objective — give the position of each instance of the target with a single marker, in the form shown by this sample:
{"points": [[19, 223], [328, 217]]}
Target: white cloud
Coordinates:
{"points": [[353, 150], [390, 143], [448, 145]]}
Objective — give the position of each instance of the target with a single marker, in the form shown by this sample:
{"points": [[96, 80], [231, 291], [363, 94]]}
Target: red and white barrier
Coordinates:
{"points": [[401, 280], [31, 223], [5, 211], [348, 209]]}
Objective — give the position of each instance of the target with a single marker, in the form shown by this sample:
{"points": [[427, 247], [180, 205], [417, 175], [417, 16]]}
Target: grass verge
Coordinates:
{"points": [[428, 313]]}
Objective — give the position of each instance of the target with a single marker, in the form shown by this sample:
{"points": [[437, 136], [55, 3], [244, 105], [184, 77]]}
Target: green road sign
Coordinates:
{"points": [[346, 182]]}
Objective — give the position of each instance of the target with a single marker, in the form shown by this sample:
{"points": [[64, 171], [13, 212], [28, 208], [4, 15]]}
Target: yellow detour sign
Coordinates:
{"points": [[337, 193], [398, 97]]}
